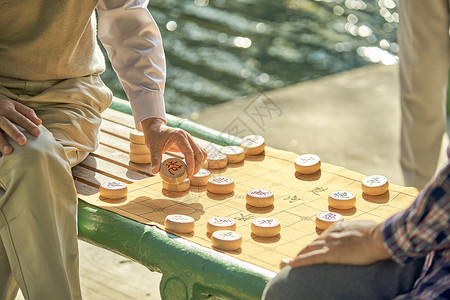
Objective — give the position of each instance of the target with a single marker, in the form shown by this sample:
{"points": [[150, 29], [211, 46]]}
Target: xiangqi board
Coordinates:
{"points": [[297, 201]]}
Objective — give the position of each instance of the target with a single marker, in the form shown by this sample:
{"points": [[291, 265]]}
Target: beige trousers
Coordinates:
{"points": [[38, 200], [424, 64]]}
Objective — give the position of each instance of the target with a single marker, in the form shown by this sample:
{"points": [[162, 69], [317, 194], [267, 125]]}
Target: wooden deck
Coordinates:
{"points": [[106, 276]]}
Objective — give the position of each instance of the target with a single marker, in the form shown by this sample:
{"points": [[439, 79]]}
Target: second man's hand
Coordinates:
{"points": [[352, 243], [161, 138]]}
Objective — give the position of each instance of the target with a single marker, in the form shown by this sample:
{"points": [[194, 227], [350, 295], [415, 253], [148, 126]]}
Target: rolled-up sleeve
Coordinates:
{"points": [[133, 42], [423, 227]]}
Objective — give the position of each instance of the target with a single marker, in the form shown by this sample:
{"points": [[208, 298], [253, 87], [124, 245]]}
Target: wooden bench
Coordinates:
{"points": [[189, 271]]}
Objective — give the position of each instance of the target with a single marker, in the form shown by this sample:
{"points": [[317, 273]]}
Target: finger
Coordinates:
{"points": [[5, 147], [28, 113], [199, 154], [25, 123], [155, 157], [205, 155], [173, 148], [317, 244], [315, 257], [184, 145], [12, 131]]}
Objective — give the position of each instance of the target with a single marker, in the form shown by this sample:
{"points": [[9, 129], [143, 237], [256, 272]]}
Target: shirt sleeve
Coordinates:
{"points": [[133, 42], [424, 226]]}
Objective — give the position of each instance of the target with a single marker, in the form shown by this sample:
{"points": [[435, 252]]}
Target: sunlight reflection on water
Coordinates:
{"points": [[220, 50]]}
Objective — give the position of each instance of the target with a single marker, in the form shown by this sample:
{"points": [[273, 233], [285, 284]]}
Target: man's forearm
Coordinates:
{"points": [[134, 45]]}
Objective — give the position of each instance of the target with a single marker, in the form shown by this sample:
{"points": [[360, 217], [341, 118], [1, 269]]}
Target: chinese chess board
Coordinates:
{"points": [[298, 199]]}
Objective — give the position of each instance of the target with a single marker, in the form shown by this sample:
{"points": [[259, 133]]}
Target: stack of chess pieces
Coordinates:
{"points": [[222, 229], [139, 152]]}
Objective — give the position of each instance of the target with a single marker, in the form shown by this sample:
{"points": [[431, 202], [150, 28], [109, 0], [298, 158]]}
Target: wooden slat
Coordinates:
{"points": [[91, 177], [121, 158], [118, 130], [114, 142], [118, 117], [85, 189], [108, 168], [118, 157]]}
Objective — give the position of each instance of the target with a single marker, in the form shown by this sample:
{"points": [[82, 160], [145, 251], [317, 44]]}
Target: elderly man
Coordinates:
{"points": [[51, 97]]}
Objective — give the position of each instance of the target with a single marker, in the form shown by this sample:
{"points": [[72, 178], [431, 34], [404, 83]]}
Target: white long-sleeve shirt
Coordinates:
{"points": [[134, 45]]}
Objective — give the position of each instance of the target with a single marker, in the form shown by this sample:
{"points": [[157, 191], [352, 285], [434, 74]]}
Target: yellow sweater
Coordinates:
{"points": [[48, 39]]}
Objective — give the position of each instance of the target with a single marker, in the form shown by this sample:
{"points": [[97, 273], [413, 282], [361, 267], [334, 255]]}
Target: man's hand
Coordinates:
{"points": [[13, 113], [352, 243], [161, 138]]}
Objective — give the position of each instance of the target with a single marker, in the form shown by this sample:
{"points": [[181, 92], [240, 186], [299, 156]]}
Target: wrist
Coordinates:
{"points": [[152, 124]]}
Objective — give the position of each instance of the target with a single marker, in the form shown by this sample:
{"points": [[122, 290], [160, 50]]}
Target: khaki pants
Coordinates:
{"points": [[424, 64], [38, 200]]}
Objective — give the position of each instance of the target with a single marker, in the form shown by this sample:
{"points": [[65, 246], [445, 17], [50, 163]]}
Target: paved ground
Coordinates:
{"points": [[350, 119]]}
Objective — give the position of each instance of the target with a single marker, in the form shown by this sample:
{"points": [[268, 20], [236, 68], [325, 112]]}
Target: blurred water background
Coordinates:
{"points": [[220, 50]]}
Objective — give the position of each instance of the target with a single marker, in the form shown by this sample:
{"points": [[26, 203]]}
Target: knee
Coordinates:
{"points": [[39, 154], [311, 282], [277, 288], [38, 175]]}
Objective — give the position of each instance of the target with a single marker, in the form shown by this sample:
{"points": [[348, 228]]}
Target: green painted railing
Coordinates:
{"points": [[190, 271]]}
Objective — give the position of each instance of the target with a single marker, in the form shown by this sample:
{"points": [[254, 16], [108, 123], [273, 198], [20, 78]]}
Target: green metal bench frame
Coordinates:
{"points": [[190, 271]]}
